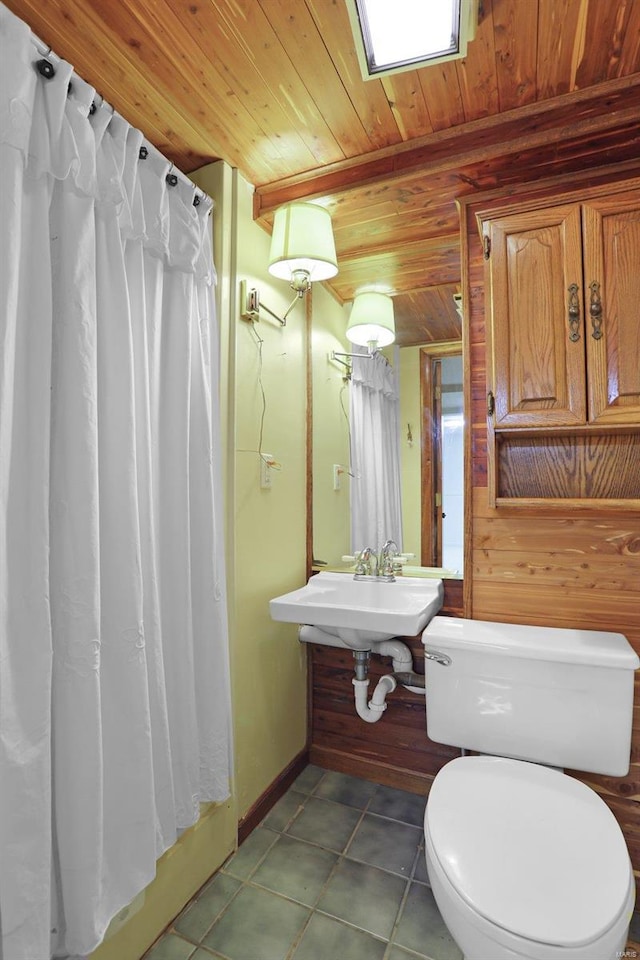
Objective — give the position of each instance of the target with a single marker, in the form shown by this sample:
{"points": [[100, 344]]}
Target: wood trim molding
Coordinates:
{"points": [[271, 795], [595, 182], [467, 586], [428, 453], [373, 770], [308, 339]]}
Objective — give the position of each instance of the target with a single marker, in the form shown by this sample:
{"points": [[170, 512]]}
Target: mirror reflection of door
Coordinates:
{"points": [[442, 456]]}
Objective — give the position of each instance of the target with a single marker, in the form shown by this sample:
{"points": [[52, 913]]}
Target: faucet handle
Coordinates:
{"points": [[363, 566], [388, 567]]}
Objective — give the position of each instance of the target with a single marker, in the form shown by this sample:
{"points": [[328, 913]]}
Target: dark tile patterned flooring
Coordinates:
{"points": [[336, 871]]}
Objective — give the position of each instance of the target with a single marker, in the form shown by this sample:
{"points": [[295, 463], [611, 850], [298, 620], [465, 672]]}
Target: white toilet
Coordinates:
{"points": [[525, 862]]}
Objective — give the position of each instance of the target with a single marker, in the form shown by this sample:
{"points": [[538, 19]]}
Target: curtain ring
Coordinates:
{"points": [[45, 68], [171, 178]]}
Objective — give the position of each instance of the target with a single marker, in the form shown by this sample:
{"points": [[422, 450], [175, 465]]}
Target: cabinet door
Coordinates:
{"points": [[538, 369], [612, 307]]}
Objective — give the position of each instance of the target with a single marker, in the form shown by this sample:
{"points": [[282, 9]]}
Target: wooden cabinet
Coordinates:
{"points": [[563, 335], [611, 244], [564, 288]]}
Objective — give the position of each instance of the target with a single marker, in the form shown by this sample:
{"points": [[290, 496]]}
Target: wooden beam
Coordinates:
{"points": [[607, 106]]}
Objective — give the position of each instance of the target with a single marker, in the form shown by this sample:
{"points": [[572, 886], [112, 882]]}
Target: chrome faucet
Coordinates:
{"points": [[367, 564], [385, 561], [377, 566]]}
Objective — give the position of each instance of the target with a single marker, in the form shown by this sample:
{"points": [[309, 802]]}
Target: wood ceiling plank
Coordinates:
{"points": [[257, 59], [477, 71], [630, 53], [443, 97], [515, 27], [558, 22], [414, 266], [308, 54], [427, 316], [411, 251], [354, 215], [611, 23], [406, 99], [168, 50], [198, 29], [615, 146], [408, 192], [367, 97], [391, 232]]}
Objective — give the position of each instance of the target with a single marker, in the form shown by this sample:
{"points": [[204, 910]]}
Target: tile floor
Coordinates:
{"points": [[335, 871]]}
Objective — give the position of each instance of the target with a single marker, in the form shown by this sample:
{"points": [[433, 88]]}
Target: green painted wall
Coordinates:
{"points": [[269, 525]]}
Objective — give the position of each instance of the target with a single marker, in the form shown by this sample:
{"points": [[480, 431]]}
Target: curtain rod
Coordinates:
{"points": [[174, 174]]}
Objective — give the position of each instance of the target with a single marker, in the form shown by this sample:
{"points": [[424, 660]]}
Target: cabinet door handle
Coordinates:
{"points": [[491, 404], [595, 309], [574, 313]]}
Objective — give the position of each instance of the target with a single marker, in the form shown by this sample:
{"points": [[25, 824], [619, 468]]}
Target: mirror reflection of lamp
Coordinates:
{"points": [[371, 321]]}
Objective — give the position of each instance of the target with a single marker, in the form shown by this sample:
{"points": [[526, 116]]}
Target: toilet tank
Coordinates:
{"points": [[556, 696]]}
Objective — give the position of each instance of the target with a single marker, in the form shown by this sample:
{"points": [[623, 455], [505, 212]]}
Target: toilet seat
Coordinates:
{"points": [[529, 849]]}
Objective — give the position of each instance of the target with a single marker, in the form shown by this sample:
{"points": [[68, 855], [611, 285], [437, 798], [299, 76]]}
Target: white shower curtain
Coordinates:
{"points": [[114, 691], [376, 499]]}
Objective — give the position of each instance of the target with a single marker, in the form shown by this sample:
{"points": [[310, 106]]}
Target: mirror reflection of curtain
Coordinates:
{"points": [[376, 502]]}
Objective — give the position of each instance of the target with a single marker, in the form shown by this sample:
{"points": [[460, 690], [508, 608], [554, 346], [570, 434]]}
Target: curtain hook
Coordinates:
{"points": [[171, 178]]}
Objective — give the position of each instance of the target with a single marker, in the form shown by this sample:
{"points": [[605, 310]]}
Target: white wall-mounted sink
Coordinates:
{"points": [[361, 611]]}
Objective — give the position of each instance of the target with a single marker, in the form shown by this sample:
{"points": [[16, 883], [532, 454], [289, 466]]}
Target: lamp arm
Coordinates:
{"points": [[282, 320], [299, 295]]}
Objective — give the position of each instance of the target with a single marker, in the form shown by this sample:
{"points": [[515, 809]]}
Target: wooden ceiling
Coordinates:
{"points": [[274, 88]]}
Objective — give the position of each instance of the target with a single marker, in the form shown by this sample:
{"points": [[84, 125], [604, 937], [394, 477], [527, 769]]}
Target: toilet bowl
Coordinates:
{"points": [[526, 863]]}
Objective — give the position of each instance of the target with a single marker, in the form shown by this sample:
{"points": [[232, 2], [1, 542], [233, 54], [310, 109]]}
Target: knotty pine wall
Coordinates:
{"points": [[544, 566], [395, 751]]}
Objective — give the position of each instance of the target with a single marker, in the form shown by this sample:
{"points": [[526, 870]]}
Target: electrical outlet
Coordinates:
{"points": [[337, 474], [265, 471]]}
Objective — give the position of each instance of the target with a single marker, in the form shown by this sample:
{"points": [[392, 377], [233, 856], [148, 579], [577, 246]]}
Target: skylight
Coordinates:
{"points": [[394, 35]]}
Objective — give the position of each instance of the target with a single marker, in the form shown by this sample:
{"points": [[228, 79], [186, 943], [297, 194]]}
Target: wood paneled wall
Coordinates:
{"points": [[550, 566], [395, 751]]}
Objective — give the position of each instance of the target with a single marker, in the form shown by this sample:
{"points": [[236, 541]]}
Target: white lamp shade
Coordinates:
{"points": [[371, 320], [302, 239]]}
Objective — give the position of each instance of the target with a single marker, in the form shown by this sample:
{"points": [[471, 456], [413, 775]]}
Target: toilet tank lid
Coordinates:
{"points": [[596, 648]]}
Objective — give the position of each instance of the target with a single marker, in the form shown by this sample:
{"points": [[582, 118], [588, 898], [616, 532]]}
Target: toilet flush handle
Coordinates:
{"points": [[438, 657]]}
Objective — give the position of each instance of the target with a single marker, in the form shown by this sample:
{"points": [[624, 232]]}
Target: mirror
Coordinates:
{"points": [[430, 445]]}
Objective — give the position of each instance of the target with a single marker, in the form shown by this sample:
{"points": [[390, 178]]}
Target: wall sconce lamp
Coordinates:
{"points": [[302, 250], [371, 323]]}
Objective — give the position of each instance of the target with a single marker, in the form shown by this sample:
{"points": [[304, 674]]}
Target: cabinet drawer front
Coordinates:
{"points": [[538, 370], [612, 261]]}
